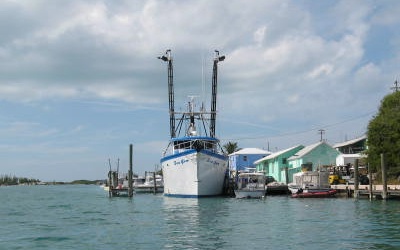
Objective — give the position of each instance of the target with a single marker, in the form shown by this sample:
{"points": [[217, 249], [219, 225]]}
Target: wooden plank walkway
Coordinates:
{"points": [[393, 191]]}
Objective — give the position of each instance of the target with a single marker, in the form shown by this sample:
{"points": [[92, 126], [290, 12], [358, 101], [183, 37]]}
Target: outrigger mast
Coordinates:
{"points": [[192, 130], [167, 58], [217, 59]]}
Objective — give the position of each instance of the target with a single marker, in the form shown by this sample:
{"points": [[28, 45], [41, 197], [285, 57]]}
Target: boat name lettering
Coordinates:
{"points": [[181, 162], [214, 162]]}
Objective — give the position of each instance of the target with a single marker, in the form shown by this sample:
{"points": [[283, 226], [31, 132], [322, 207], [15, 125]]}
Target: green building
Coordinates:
{"points": [[313, 156], [276, 164]]}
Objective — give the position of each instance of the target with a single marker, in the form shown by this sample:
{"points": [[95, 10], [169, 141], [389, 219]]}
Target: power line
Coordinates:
{"points": [[299, 132]]}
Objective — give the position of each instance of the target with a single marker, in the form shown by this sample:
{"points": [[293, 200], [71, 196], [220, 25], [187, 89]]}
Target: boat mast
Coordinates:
{"points": [[167, 58], [192, 127], [217, 59]]}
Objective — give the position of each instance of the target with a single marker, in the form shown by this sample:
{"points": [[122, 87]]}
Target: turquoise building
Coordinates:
{"points": [[313, 156], [276, 164]]}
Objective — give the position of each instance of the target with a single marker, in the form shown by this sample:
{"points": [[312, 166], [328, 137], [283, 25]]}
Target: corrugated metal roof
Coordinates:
{"points": [[346, 143], [276, 154], [251, 151]]}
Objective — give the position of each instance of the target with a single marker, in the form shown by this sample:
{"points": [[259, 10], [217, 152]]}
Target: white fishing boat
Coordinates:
{"points": [[250, 185], [192, 164]]}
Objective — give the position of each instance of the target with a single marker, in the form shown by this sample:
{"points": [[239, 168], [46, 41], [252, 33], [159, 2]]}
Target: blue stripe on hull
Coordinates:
{"points": [[190, 151]]}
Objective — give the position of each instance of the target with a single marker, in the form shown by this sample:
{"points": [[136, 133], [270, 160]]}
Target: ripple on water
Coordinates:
{"points": [[83, 217]]}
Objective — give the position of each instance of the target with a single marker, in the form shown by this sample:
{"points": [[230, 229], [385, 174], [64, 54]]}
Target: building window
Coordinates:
{"points": [[244, 157], [284, 160]]}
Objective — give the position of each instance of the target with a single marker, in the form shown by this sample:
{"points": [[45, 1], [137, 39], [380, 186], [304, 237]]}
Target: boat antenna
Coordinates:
{"points": [[168, 58], [217, 59]]}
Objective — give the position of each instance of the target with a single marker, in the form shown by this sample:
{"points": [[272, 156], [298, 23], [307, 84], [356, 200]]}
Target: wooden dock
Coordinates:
{"points": [[119, 192], [115, 187], [367, 191]]}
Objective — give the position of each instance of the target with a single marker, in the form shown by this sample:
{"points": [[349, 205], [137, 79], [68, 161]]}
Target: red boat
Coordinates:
{"points": [[319, 193]]}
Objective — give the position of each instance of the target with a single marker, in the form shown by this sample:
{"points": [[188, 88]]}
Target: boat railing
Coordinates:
{"points": [[182, 146]]}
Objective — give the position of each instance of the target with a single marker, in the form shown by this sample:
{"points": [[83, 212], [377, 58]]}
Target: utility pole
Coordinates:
{"points": [[321, 132], [396, 86]]}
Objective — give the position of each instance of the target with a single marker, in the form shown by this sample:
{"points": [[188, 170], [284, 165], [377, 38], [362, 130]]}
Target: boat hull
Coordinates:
{"points": [[194, 174], [148, 189], [241, 194], [315, 194]]}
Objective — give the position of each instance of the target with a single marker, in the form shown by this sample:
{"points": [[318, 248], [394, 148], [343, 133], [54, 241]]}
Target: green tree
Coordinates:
{"points": [[230, 147], [384, 136]]}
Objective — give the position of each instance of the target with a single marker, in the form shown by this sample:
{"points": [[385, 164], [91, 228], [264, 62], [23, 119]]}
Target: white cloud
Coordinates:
{"points": [[324, 69]]}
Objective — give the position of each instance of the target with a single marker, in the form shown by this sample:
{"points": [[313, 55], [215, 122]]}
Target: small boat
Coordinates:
{"points": [[314, 193], [250, 185], [105, 187], [146, 184], [311, 184]]}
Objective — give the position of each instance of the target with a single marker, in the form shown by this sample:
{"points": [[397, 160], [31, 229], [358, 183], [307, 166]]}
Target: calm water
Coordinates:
{"points": [[83, 217]]}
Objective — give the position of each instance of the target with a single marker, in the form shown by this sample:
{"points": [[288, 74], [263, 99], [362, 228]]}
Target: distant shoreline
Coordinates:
{"points": [[44, 183]]}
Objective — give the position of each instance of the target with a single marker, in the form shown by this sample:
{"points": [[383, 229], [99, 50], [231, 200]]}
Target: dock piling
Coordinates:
{"points": [[130, 173], [384, 177], [356, 179], [155, 183], [370, 183]]}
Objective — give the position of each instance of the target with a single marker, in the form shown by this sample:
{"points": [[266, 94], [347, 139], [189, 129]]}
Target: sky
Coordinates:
{"points": [[80, 80]]}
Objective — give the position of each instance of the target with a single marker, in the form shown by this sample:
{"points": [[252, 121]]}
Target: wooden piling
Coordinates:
{"points": [[384, 177], [109, 184], [356, 179], [130, 173], [370, 183], [109, 179], [154, 183]]}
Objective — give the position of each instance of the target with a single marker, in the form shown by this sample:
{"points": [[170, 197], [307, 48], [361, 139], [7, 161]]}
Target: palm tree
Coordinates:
{"points": [[230, 147]]}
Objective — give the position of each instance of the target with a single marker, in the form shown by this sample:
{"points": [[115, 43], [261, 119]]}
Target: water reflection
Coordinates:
{"points": [[194, 223]]}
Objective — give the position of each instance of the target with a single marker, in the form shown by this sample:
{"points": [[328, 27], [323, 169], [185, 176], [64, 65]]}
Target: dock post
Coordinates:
{"points": [[384, 177], [130, 173], [154, 183], [370, 183], [109, 184], [109, 179], [356, 179]]}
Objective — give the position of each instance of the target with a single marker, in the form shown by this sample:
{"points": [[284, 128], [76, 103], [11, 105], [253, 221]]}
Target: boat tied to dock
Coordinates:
{"points": [[250, 185], [193, 164], [311, 184]]}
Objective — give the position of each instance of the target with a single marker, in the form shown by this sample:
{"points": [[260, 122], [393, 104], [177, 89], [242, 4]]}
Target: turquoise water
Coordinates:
{"points": [[83, 217]]}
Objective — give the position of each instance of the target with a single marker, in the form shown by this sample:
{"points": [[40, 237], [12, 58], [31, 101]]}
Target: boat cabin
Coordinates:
{"points": [[196, 142]]}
